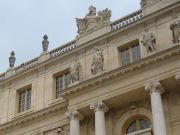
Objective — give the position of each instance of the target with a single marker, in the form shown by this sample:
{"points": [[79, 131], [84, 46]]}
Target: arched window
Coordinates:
{"points": [[136, 124]]}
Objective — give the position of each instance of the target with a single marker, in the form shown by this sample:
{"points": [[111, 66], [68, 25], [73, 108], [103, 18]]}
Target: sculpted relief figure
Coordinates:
{"points": [[92, 11], [104, 16], [175, 28], [76, 70], [98, 61], [149, 42], [92, 20], [81, 24]]}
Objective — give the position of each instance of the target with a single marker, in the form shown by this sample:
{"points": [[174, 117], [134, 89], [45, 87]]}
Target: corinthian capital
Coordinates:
{"points": [[154, 86], [74, 115], [99, 106]]}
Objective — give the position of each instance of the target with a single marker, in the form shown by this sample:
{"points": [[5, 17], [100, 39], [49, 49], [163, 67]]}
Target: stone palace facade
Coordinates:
{"points": [[114, 78]]}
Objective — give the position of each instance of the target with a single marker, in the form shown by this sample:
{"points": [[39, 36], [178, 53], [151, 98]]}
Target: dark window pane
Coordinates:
{"points": [[67, 80], [131, 128], [28, 102], [125, 57], [59, 86], [144, 124], [21, 101], [136, 53]]}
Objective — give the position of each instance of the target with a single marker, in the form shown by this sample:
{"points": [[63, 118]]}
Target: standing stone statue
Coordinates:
{"points": [[98, 61], [149, 42], [12, 60], [76, 71], [175, 28], [45, 43]]}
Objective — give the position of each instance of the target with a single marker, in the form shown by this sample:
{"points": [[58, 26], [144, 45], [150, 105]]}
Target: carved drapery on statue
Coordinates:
{"points": [[149, 42], [76, 71], [175, 28], [97, 65], [92, 20]]}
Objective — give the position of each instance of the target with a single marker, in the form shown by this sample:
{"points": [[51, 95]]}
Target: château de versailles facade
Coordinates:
{"points": [[114, 78]]}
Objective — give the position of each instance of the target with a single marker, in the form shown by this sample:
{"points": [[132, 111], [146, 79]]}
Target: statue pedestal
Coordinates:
{"points": [[10, 72], [43, 57]]}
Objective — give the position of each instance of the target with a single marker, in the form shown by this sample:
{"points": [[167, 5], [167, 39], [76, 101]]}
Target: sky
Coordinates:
{"points": [[23, 23]]}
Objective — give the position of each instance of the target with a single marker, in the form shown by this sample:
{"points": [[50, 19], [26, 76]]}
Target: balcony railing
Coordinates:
{"points": [[126, 20], [62, 49], [26, 65], [147, 131], [2, 77]]}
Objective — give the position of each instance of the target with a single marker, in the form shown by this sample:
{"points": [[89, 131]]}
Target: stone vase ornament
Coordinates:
{"points": [[45, 43], [12, 59]]}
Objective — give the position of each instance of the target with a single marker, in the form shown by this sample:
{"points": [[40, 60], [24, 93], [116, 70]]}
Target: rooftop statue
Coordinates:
{"points": [[12, 60], [45, 43], [92, 20]]}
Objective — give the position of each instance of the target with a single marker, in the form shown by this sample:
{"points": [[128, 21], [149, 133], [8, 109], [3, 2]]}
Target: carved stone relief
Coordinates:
{"points": [[175, 28], [92, 20], [97, 65], [76, 71], [149, 42]]}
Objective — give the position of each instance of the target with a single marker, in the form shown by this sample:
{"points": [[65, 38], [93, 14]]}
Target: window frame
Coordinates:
{"points": [[55, 76], [19, 91], [129, 47], [131, 120]]}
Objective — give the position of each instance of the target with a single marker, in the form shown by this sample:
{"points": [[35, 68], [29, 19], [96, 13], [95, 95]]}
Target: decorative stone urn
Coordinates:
{"points": [[12, 60], [45, 43]]}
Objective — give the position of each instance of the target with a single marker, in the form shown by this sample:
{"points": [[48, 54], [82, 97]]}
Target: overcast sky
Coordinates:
{"points": [[24, 22]]}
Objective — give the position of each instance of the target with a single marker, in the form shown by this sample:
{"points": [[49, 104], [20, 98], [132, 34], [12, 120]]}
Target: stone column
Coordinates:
{"points": [[75, 118], [155, 89], [100, 126]]}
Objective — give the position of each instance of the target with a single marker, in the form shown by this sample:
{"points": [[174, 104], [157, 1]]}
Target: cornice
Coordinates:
{"points": [[16, 121], [121, 71]]}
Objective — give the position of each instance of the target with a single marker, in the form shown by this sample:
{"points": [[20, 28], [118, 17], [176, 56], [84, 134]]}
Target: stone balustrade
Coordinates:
{"points": [[126, 20], [26, 65], [2, 77], [62, 49]]}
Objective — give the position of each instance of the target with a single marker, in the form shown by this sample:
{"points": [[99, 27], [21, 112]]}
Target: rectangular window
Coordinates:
{"points": [[24, 99], [130, 54], [62, 82]]}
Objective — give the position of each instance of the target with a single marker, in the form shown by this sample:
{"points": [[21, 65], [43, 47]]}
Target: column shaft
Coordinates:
{"points": [[74, 127], [158, 114], [100, 123], [155, 89]]}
